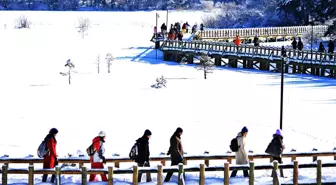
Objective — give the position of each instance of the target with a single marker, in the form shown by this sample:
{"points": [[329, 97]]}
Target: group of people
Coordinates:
{"points": [[176, 31], [175, 151]]}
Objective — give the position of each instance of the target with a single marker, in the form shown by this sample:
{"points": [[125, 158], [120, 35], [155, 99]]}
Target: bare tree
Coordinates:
{"points": [[160, 82], [22, 22], [98, 63], [83, 26], [109, 58], [206, 65], [70, 65]]}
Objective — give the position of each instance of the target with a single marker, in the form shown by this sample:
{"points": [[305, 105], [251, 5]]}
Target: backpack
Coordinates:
{"points": [[42, 149], [90, 150], [134, 151], [234, 145]]}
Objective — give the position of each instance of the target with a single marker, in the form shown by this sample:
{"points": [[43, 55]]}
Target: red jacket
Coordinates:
{"points": [[99, 148], [49, 160]]}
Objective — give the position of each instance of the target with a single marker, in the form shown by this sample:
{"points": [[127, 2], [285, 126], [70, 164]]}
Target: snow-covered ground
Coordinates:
{"points": [[35, 97]]}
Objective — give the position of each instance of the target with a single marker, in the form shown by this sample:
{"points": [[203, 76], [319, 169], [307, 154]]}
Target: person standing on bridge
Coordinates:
{"points": [[241, 154], [256, 41], [331, 48], [294, 44], [275, 149], [237, 41], [321, 48]]}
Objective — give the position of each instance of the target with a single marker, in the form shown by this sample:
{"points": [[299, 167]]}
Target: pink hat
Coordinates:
{"points": [[278, 132]]}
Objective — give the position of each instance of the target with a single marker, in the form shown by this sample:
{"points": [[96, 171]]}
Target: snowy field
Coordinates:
{"points": [[35, 97]]}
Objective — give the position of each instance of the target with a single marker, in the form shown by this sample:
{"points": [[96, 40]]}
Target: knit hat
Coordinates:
{"points": [[244, 130], [278, 132], [179, 129], [102, 134], [53, 131], [147, 133]]}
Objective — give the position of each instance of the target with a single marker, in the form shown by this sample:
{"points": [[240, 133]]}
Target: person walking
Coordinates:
{"points": [[241, 154], [142, 159], [175, 151], [97, 159], [331, 48], [275, 149], [50, 159]]}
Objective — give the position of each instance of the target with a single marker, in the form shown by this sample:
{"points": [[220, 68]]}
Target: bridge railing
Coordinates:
{"points": [[220, 48], [261, 32]]}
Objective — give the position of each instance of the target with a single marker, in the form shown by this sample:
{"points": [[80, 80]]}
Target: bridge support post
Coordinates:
{"points": [[322, 71], [244, 64], [261, 65], [317, 71], [233, 63], [218, 61], [286, 68], [312, 70], [190, 59], [294, 68], [267, 66], [167, 56], [250, 64], [304, 69]]}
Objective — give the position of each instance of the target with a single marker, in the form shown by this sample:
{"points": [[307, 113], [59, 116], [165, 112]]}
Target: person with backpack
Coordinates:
{"points": [[50, 159], [275, 149], [142, 159], [98, 160], [241, 153], [175, 151]]}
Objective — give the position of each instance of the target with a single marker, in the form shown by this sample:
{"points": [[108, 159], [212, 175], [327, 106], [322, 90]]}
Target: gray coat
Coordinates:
{"points": [[241, 154]]}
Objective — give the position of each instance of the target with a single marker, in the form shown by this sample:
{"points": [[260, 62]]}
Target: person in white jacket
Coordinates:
{"points": [[241, 154]]}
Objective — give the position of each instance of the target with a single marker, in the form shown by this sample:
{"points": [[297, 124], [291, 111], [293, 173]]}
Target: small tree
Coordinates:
{"points": [[160, 82], [70, 65], [83, 26], [206, 65], [98, 63], [22, 22], [109, 58]]}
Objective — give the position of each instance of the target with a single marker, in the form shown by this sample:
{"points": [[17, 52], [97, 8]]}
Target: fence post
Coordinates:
{"points": [[296, 173], [58, 175], [274, 173], [135, 175], [110, 175], [4, 174], [319, 172], [251, 178], [159, 175], [226, 173], [84, 175], [31, 175], [180, 174], [202, 174]]}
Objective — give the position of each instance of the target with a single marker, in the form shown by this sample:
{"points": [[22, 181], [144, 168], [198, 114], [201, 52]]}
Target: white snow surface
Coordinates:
{"points": [[35, 97]]}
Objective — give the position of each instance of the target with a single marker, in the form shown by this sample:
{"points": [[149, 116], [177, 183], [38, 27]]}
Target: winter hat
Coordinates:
{"points": [[278, 132], [147, 133], [244, 130], [102, 134], [179, 129], [53, 131]]}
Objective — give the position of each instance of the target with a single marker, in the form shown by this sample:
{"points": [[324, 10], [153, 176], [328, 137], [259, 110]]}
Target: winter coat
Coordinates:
{"points": [[237, 41], [331, 47], [143, 150], [256, 41], [294, 44], [275, 147], [241, 154], [300, 45], [175, 149], [180, 36], [98, 145], [321, 48], [50, 159]]}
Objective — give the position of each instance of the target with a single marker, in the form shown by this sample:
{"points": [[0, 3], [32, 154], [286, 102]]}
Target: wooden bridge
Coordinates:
{"points": [[266, 32], [247, 56]]}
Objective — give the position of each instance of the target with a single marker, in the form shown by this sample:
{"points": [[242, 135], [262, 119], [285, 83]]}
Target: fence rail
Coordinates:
{"points": [[271, 53], [261, 32], [181, 169]]}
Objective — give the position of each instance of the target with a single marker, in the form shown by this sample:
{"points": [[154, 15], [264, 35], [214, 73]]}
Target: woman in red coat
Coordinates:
{"points": [[50, 159], [98, 159]]}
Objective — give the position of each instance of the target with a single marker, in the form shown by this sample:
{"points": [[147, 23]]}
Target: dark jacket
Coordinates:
{"points": [[176, 149], [276, 147], [300, 45], [143, 150], [321, 48], [294, 44], [331, 47]]}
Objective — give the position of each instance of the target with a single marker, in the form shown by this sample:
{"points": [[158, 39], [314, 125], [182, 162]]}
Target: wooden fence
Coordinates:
{"points": [[180, 169], [110, 171], [261, 32]]}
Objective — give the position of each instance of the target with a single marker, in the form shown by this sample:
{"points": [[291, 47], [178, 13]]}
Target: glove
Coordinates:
{"points": [[104, 160]]}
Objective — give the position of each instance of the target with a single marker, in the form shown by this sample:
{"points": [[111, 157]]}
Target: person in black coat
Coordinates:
{"points": [[175, 151], [300, 44], [143, 154], [275, 149], [294, 43], [321, 48], [331, 48], [256, 41]]}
